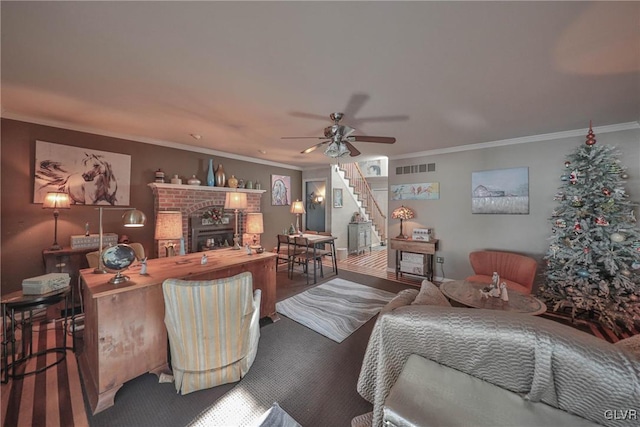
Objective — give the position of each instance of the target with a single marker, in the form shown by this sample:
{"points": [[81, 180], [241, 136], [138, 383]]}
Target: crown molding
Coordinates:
{"points": [[151, 141], [522, 140]]}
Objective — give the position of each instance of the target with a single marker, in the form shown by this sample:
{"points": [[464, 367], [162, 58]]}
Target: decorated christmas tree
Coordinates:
{"points": [[594, 256]]}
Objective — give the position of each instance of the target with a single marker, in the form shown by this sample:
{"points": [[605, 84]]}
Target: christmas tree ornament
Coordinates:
{"points": [[625, 273], [606, 191], [636, 246], [591, 138], [582, 273], [559, 195], [565, 177], [577, 202], [601, 221], [624, 175], [633, 297], [567, 164], [577, 227], [573, 177], [617, 237], [561, 223], [636, 265], [586, 250]]}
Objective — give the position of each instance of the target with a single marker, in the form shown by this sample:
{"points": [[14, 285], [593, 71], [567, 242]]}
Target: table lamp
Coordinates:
{"points": [[55, 201], [297, 208], [255, 226], [236, 201], [131, 218], [169, 227], [402, 213]]}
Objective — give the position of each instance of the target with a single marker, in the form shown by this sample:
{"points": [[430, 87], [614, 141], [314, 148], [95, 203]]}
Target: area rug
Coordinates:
{"points": [[335, 309], [52, 397]]}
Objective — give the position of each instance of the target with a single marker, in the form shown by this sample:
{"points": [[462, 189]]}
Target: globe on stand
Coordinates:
{"points": [[116, 259]]}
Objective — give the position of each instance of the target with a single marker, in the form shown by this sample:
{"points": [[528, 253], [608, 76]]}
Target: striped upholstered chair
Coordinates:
{"points": [[213, 329]]}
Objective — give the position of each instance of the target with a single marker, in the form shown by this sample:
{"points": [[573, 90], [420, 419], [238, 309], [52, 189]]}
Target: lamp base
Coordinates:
{"points": [[236, 245], [55, 247], [401, 236]]}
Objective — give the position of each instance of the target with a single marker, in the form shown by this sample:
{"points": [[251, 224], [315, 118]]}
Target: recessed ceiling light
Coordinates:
{"points": [[195, 136]]}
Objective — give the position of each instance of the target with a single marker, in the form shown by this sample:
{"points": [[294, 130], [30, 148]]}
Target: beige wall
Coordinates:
{"points": [[461, 232], [27, 229]]}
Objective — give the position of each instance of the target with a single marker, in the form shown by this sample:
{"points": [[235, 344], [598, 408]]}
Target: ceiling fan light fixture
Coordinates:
{"points": [[335, 150]]}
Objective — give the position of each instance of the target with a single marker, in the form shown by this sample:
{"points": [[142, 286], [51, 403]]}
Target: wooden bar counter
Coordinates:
{"points": [[124, 333]]}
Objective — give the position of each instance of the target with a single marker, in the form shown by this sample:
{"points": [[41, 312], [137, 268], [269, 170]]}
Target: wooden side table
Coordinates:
{"points": [[423, 247], [17, 310], [468, 294]]}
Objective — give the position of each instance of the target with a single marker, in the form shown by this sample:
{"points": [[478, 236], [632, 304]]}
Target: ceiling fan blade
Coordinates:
{"points": [[357, 121], [302, 137], [312, 148], [308, 115], [354, 151], [378, 139], [355, 103]]}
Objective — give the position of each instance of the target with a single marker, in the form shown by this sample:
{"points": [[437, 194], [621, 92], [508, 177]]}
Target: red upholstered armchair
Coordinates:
{"points": [[518, 271]]}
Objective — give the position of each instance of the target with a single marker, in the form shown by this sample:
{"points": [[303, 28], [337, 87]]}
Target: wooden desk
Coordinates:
{"points": [[125, 334], [415, 246]]}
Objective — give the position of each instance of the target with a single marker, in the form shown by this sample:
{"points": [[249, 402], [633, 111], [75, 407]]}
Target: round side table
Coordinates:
{"points": [[17, 311]]}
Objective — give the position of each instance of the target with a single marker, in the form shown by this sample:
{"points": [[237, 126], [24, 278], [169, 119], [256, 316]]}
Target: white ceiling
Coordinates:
{"points": [[241, 73]]}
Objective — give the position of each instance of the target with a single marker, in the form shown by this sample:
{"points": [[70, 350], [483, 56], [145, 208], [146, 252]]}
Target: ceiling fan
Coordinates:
{"points": [[340, 138]]}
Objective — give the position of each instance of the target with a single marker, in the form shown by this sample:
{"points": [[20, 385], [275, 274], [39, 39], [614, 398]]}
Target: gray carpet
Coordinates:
{"points": [[336, 308], [311, 377]]}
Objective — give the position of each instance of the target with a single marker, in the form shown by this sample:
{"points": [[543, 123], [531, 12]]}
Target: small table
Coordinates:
{"points": [[15, 303], [468, 293], [424, 247], [318, 239]]}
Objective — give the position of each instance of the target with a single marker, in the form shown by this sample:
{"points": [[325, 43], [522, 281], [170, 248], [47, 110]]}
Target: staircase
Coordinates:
{"points": [[364, 195]]}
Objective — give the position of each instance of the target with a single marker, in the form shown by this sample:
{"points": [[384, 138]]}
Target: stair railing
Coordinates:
{"points": [[363, 192]]}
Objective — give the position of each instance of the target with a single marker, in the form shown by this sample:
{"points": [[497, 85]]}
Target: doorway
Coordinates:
{"points": [[315, 205]]}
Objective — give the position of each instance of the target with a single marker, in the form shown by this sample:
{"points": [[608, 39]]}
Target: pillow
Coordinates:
{"points": [[404, 297], [430, 295]]}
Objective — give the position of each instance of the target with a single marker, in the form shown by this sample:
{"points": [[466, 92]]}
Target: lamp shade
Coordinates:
{"points": [[134, 218], [402, 213], [169, 225], [56, 200], [235, 200], [255, 224], [297, 207]]}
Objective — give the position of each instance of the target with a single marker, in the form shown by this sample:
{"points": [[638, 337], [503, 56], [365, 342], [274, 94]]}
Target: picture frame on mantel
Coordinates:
{"points": [[90, 177]]}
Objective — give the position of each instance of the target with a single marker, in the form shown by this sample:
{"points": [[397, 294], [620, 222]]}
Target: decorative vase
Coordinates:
{"points": [[210, 178], [193, 180], [241, 183], [220, 176], [257, 186], [176, 180], [233, 182], [249, 185]]}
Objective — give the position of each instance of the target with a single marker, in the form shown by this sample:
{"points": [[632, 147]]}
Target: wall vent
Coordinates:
{"points": [[404, 170]]}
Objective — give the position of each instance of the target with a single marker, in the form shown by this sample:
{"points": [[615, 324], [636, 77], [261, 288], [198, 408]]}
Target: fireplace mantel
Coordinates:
{"points": [[191, 198]]}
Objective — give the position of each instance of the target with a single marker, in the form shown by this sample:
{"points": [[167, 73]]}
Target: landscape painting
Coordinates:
{"points": [[425, 191], [90, 177], [500, 191]]}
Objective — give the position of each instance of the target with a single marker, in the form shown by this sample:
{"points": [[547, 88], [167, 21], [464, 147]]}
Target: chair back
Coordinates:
{"points": [[518, 268], [213, 329]]}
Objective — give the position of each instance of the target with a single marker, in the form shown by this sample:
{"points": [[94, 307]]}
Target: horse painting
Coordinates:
{"points": [[94, 184]]}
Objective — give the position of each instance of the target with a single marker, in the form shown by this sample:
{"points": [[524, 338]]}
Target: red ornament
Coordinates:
{"points": [[567, 163], [577, 227], [591, 138], [601, 221], [586, 250], [606, 191]]}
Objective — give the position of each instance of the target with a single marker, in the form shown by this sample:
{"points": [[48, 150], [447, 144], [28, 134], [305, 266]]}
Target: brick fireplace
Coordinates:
{"points": [[189, 199]]}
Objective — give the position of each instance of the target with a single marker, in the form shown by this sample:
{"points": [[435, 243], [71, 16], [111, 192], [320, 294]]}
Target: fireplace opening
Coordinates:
{"points": [[211, 228]]}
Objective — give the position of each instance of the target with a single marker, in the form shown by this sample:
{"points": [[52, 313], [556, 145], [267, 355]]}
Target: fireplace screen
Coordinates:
{"points": [[211, 229]]}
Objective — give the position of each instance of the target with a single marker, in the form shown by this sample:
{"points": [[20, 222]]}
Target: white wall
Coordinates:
{"points": [[461, 232]]}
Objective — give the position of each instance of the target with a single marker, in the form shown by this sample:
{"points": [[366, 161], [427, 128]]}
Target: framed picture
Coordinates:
{"points": [[90, 177], [280, 190], [371, 168], [500, 191], [426, 191], [337, 197]]}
